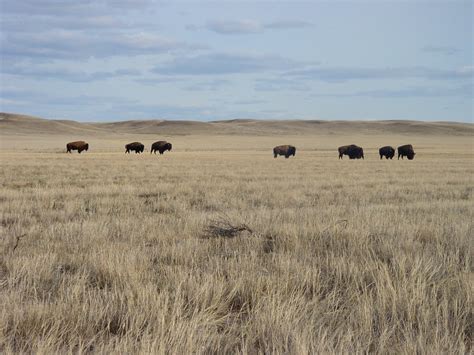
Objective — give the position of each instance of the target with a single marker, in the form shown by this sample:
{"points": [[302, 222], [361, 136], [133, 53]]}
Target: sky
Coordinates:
{"points": [[111, 60]]}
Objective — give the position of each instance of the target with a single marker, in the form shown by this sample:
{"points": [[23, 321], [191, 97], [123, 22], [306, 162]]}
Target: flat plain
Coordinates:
{"points": [[217, 247]]}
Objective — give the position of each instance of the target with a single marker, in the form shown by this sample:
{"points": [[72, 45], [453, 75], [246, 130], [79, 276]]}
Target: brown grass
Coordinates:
{"points": [[104, 251]]}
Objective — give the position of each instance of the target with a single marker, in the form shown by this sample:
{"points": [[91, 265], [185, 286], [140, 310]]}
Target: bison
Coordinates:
{"points": [[160, 146], [137, 147], [352, 150], [406, 151], [387, 152], [285, 150], [78, 145]]}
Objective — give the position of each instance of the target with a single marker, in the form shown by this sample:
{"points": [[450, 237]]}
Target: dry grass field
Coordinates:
{"points": [[217, 247]]}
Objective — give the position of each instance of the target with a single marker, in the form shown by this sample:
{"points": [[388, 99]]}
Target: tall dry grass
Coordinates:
{"points": [[208, 250]]}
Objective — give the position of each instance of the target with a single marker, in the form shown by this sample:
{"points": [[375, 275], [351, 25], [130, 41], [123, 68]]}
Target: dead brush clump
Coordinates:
{"points": [[223, 227], [98, 278]]}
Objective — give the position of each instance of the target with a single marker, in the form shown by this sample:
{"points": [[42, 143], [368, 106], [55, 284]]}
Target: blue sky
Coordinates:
{"points": [[108, 60]]}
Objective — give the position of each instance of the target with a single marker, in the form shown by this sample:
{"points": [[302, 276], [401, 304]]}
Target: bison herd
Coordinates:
{"points": [[137, 147], [352, 151], [403, 151], [355, 152]]}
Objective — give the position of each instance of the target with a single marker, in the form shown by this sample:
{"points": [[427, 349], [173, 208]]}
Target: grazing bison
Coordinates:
{"points": [[285, 150], [387, 152], [137, 147], [406, 151], [78, 145], [353, 151], [160, 146]]}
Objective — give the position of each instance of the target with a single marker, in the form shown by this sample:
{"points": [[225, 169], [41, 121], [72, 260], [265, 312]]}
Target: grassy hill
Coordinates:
{"points": [[11, 124]]}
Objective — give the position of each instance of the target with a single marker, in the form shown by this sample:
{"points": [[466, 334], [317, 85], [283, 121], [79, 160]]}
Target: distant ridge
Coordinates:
{"points": [[30, 125], [16, 124]]}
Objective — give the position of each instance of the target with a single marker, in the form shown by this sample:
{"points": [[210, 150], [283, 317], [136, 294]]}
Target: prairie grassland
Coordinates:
{"points": [[107, 252]]}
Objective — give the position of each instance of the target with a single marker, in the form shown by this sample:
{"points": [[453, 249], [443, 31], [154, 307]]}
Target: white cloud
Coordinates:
{"points": [[245, 26], [462, 91], [73, 44], [446, 50], [223, 63], [281, 84], [234, 26], [342, 74], [48, 72], [288, 24]]}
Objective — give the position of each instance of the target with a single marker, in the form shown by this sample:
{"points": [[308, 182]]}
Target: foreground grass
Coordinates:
{"points": [[114, 253]]}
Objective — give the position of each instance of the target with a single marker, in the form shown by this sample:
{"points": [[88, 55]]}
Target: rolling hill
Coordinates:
{"points": [[16, 124]]}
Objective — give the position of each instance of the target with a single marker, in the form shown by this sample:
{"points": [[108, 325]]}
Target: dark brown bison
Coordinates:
{"points": [[78, 145], [406, 151], [387, 152], [352, 151], [161, 146], [285, 150], [137, 147]]}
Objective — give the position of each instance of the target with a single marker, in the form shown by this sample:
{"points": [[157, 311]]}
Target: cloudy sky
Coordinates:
{"points": [[107, 60]]}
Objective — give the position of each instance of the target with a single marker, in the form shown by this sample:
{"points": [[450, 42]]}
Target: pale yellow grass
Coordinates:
{"points": [[108, 252]]}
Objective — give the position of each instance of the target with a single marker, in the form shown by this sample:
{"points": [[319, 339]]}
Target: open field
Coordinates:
{"points": [[218, 247]]}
